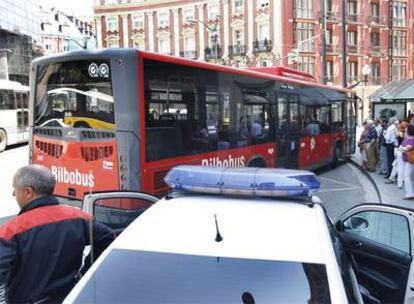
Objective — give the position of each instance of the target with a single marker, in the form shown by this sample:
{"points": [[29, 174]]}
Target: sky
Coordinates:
{"points": [[80, 8]]}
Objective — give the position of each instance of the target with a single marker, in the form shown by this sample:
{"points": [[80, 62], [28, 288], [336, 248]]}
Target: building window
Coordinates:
{"points": [[374, 12], [163, 20], [263, 32], [238, 37], [164, 46], [262, 4], [306, 64], [189, 43], [375, 73], [213, 12], [111, 1], [352, 71], [238, 6], [399, 43], [304, 9], [375, 39], [264, 63], [329, 37], [139, 44], [352, 7], [113, 44], [138, 22], [352, 38], [112, 24], [398, 69], [304, 36], [399, 17], [188, 15], [330, 71]]}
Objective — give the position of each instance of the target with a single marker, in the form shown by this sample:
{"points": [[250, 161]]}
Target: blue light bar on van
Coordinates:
{"points": [[243, 181]]}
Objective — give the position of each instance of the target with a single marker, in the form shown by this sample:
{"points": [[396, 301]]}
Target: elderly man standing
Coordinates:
{"points": [[391, 142], [41, 249]]}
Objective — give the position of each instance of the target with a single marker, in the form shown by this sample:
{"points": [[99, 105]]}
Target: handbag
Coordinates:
{"points": [[410, 156]]}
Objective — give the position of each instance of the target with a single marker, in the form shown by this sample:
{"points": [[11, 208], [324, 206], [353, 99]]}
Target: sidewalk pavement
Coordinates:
{"points": [[390, 193]]}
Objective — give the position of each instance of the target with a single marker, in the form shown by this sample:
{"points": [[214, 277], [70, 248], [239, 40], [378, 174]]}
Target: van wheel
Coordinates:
{"points": [[258, 163], [3, 140]]}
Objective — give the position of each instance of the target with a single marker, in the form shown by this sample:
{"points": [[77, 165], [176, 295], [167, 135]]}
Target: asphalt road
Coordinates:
{"points": [[342, 187]]}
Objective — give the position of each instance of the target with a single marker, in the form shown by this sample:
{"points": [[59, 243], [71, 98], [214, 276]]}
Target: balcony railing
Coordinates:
{"points": [[352, 48], [304, 13], [401, 22], [212, 52], [332, 48], [332, 16], [377, 20], [353, 18], [399, 52], [260, 46], [351, 79], [237, 50], [189, 54], [377, 50]]}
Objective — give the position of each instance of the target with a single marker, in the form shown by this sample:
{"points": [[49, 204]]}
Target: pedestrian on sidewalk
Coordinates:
{"points": [[408, 145], [398, 164], [391, 142], [371, 146], [361, 144], [382, 165], [41, 249]]}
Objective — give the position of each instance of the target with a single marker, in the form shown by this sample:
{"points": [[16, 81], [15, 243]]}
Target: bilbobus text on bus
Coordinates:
{"points": [[14, 113], [122, 118]]}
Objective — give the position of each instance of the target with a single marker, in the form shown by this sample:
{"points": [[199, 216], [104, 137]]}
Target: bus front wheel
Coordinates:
{"points": [[3, 140]]}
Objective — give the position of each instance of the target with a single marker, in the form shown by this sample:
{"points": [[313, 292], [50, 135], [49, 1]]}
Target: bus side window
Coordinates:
{"points": [[7, 100], [336, 116], [224, 120], [253, 119], [325, 119]]}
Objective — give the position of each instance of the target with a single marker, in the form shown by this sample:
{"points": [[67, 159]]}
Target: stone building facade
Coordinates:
{"points": [[379, 33], [232, 32]]}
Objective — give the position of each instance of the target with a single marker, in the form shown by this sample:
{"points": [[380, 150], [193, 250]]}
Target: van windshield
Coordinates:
{"points": [[130, 276], [74, 94]]}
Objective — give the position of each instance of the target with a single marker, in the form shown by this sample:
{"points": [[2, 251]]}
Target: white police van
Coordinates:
{"points": [[247, 235]]}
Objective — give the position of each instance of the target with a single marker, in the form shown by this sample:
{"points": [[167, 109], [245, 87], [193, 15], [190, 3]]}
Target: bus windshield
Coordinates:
{"points": [[74, 94]]}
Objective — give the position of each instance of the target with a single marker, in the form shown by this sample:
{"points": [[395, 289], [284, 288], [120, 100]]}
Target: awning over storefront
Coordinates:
{"points": [[401, 90]]}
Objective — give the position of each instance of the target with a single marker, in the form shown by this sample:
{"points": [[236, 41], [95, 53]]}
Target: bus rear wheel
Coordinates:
{"points": [[337, 155], [258, 162], [3, 140]]}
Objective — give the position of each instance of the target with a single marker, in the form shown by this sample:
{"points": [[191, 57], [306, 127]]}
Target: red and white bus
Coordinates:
{"points": [[121, 118]]}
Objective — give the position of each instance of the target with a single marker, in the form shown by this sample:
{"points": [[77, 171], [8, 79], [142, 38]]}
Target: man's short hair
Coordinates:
{"points": [[38, 177]]}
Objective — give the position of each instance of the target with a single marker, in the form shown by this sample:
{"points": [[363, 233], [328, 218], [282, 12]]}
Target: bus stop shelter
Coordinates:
{"points": [[394, 99]]}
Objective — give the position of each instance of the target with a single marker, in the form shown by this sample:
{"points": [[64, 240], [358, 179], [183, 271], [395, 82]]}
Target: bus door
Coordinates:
{"points": [[350, 125], [288, 130]]}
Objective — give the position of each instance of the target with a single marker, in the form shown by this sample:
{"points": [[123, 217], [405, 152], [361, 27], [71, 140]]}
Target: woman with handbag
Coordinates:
{"points": [[407, 147]]}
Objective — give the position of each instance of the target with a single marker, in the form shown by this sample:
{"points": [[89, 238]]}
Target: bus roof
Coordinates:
{"points": [[12, 85], [254, 72]]}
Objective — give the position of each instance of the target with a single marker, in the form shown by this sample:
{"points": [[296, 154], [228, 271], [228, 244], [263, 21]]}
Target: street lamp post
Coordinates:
{"points": [[215, 36], [366, 70]]}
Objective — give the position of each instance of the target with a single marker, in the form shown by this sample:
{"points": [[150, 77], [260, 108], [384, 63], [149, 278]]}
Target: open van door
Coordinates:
{"points": [[379, 241], [117, 209]]}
